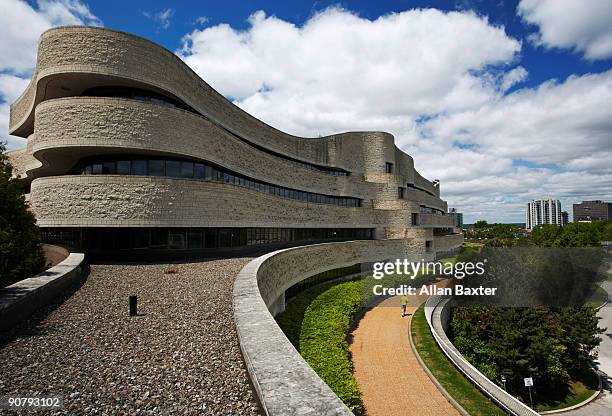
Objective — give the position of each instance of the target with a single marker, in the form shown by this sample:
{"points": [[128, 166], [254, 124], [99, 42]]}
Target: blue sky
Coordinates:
{"points": [[504, 101], [542, 64]]}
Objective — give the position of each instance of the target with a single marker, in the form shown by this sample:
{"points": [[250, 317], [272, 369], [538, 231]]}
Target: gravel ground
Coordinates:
{"points": [[179, 356]]}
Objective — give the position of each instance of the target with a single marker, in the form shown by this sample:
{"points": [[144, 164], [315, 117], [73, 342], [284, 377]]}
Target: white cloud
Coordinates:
{"points": [[162, 18], [437, 81], [584, 26], [202, 20], [22, 25], [513, 77]]}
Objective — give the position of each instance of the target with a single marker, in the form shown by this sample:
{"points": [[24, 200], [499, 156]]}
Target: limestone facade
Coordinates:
{"points": [[65, 123]]}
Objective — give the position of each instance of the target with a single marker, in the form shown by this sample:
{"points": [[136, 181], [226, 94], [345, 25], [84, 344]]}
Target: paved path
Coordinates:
{"points": [[602, 406], [387, 371]]}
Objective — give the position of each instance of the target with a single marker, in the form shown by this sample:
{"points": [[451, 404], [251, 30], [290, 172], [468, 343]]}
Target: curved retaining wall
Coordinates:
{"points": [[19, 300], [437, 312], [284, 382]]}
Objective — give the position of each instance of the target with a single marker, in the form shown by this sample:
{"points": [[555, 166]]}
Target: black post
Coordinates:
{"points": [[133, 305]]}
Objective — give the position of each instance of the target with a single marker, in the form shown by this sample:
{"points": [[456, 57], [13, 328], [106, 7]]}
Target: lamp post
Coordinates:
{"points": [[503, 379]]}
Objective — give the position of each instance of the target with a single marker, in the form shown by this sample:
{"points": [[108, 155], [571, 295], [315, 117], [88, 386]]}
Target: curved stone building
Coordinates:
{"points": [[129, 150]]}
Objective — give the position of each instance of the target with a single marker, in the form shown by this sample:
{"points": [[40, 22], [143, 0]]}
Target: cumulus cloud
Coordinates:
{"points": [[437, 81], [22, 25], [162, 18], [583, 26]]}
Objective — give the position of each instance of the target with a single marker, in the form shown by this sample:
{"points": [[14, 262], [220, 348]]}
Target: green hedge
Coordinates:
{"points": [[317, 322]]}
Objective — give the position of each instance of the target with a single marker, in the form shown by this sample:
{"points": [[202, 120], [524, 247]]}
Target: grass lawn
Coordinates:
{"points": [[468, 396], [598, 297], [579, 391]]}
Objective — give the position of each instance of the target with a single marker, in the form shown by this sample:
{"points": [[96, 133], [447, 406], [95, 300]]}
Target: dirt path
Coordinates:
{"points": [[387, 371]]}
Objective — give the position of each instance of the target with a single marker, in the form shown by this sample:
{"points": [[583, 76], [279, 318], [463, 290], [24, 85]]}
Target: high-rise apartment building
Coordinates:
{"points": [[592, 211], [457, 217], [543, 211]]}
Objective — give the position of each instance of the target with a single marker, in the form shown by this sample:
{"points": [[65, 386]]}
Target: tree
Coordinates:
{"points": [[20, 253], [606, 234], [552, 344], [480, 224]]}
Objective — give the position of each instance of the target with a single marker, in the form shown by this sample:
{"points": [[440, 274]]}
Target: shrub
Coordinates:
{"points": [[20, 254], [317, 322]]}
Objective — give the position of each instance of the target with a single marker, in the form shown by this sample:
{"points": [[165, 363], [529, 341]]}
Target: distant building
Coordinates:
{"points": [[457, 217], [543, 211], [588, 211], [564, 218]]}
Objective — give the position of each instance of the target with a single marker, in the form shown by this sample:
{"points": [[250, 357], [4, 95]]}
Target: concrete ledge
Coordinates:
{"points": [[19, 300], [284, 383]]}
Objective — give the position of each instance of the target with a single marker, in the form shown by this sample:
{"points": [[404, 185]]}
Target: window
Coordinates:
{"points": [[210, 238], [97, 169], [415, 218], [400, 192], [199, 171], [140, 237], [156, 167], [176, 239], [123, 167], [208, 173], [173, 168], [139, 167], [195, 239], [159, 237], [388, 167], [428, 246], [188, 169], [109, 168]]}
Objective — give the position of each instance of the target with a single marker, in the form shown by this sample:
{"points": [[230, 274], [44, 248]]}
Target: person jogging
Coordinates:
{"points": [[404, 303]]}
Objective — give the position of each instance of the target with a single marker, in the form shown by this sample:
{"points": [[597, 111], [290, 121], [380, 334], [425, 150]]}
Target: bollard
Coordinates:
{"points": [[133, 305]]}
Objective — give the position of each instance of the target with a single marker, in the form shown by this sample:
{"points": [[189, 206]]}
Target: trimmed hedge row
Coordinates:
{"points": [[317, 322]]}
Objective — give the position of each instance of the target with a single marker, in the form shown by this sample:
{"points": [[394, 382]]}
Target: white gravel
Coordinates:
{"points": [[180, 356]]}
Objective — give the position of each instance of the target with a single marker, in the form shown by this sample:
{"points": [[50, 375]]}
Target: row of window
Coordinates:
{"points": [[135, 94], [429, 210], [411, 185], [192, 238], [122, 165], [160, 99]]}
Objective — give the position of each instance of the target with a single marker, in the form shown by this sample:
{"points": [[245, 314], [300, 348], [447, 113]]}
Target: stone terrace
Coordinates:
{"points": [[180, 356]]}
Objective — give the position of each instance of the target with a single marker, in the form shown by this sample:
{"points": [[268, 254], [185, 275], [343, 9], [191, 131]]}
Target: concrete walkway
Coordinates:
{"points": [[387, 371], [602, 406]]}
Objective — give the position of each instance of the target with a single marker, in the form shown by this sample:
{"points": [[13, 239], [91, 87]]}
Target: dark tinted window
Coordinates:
{"points": [[187, 169], [139, 167], [159, 237], [176, 239], [199, 171], [123, 167], [109, 168], [173, 168], [156, 167]]}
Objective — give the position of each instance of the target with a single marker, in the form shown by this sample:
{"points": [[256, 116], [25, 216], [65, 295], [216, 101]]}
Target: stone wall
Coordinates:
{"points": [[20, 160], [114, 200], [19, 300]]}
